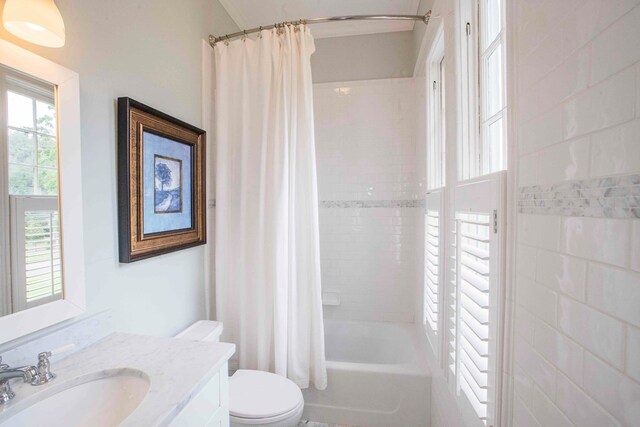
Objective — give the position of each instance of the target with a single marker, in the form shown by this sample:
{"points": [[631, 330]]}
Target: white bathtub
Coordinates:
{"points": [[377, 377]]}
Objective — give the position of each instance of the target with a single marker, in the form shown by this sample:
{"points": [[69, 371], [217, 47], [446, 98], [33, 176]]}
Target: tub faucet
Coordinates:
{"points": [[29, 374]]}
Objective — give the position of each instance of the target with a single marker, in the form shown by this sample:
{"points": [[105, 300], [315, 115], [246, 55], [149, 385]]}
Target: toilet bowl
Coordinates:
{"points": [[255, 397], [264, 399]]}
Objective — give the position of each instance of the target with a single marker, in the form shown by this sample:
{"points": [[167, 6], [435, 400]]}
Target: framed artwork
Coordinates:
{"points": [[161, 182]]}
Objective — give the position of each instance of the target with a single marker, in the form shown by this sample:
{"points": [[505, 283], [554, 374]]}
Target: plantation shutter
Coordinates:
{"points": [[476, 272], [432, 269], [35, 233]]}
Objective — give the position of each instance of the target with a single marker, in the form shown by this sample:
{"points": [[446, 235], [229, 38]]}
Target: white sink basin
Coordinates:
{"points": [[99, 400]]}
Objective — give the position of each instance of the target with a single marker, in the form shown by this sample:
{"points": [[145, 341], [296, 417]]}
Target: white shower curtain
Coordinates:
{"points": [[268, 291]]}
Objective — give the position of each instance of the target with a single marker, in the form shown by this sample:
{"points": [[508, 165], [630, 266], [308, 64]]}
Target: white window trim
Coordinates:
{"points": [[18, 324], [484, 121], [436, 136]]}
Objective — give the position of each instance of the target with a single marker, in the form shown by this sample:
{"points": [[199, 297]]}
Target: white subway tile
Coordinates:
{"points": [[526, 261], [522, 416], [609, 103], [597, 332], [524, 323], [564, 353], [567, 80], [528, 170], [539, 300], [617, 47], [635, 245], [580, 408], [542, 231], [638, 93], [616, 292], [619, 395], [546, 412], [590, 17], [564, 162], [522, 383], [544, 58], [562, 273], [616, 150], [541, 132], [540, 370], [633, 353], [598, 239]]}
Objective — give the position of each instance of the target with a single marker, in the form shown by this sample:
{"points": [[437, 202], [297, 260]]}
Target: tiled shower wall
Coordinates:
{"points": [[577, 331], [365, 145]]}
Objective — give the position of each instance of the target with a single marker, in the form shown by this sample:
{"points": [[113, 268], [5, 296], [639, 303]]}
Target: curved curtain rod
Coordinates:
{"points": [[424, 18]]}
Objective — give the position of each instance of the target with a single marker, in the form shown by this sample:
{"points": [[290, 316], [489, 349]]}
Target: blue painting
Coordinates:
{"points": [[167, 166], [168, 185]]}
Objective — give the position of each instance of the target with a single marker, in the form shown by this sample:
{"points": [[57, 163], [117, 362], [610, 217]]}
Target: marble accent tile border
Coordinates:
{"points": [[609, 197], [346, 204]]}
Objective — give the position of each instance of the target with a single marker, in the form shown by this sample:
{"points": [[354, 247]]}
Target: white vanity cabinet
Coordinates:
{"points": [[210, 406]]}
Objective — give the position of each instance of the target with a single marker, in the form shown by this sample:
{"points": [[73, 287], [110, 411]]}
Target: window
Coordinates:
{"points": [[437, 130], [482, 149], [31, 136], [492, 93], [475, 254], [30, 195]]}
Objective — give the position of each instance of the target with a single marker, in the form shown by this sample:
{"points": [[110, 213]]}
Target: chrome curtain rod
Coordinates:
{"points": [[424, 18]]}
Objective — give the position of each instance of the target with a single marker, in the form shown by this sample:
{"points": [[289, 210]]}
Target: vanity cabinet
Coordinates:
{"points": [[210, 406]]}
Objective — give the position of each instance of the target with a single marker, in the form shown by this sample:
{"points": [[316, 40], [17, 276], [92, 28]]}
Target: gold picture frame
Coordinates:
{"points": [[161, 182]]}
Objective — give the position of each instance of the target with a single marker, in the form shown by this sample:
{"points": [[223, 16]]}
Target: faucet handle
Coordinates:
{"points": [[44, 374]]}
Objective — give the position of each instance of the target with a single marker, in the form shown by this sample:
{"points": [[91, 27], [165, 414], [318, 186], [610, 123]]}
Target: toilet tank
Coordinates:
{"points": [[202, 330]]}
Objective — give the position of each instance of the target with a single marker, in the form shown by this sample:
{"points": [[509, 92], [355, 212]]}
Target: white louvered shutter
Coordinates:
{"points": [[433, 262], [35, 234], [476, 274]]}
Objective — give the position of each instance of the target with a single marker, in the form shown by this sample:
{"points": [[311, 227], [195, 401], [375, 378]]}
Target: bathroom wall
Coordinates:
{"points": [[365, 145], [150, 51], [577, 330], [364, 57]]}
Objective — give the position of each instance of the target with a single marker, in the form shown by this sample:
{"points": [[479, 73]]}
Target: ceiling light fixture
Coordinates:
{"points": [[36, 21]]}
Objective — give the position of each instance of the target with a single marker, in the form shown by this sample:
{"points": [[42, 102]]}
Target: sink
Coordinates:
{"points": [[99, 400]]}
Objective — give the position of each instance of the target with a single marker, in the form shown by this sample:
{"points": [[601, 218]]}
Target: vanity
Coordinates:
{"points": [[129, 380]]}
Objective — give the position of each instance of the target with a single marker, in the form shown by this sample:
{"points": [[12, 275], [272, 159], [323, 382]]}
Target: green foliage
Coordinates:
{"points": [[32, 167]]}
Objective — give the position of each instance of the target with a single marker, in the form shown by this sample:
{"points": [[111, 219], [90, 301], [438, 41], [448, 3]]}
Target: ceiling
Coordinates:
{"points": [[253, 13]]}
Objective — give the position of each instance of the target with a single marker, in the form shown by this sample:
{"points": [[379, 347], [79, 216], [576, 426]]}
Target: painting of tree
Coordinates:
{"points": [[163, 174], [168, 184]]}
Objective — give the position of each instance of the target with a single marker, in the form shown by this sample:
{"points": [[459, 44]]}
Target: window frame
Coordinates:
{"points": [[465, 170], [473, 159], [484, 119], [38, 92], [436, 114], [69, 159]]}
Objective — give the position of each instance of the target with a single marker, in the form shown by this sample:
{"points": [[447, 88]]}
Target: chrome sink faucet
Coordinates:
{"points": [[36, 375]]}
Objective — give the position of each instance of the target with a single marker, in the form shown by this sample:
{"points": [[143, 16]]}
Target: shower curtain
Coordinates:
{"points": [[267, 240]]}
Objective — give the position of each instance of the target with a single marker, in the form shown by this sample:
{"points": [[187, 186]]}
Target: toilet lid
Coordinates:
{"points": [[258, 394]]}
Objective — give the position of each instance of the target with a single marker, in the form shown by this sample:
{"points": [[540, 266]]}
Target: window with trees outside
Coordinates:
{"points": [[30, 196]]}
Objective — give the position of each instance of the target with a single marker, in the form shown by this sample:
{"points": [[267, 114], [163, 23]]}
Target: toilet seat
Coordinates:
{"points": [[294, 414], [257, 397]]}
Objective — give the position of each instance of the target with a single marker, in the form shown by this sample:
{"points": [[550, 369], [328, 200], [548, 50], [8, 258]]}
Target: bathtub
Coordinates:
{"points": [[376, 376]]}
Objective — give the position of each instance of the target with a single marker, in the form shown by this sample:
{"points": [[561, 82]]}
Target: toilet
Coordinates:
{"points": [[256, 398]]}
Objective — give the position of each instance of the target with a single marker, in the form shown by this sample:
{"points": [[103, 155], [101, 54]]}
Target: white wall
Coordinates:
{"points": [[365, 57], [577, 330], [150, 51], [365, 147]]}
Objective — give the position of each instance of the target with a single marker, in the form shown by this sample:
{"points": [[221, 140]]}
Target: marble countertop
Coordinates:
{"points": [[177, 369]]}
